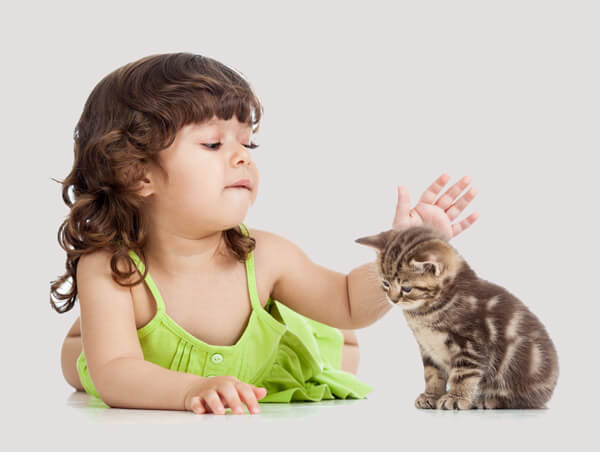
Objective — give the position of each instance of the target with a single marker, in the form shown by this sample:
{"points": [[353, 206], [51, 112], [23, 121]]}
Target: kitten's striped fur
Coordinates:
{"points": [[474, 335]]}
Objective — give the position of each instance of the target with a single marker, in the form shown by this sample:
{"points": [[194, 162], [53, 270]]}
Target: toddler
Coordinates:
{"points": [[181, 305]]}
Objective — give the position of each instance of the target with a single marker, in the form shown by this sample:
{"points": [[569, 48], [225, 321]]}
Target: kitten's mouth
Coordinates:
{"points": [[402, 300]]}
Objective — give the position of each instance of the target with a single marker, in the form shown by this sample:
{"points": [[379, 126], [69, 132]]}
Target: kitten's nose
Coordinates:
{"points": [[394, 300]]}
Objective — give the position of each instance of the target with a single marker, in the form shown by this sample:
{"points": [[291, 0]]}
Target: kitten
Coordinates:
{"points": [[473, 334]]}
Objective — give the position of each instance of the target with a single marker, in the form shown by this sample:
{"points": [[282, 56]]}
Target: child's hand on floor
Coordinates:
{"points": [[439, 215], [208, 395]]}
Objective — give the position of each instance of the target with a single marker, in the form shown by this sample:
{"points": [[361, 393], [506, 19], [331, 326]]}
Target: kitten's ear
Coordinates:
{"points": [[377, 241], [432, 257], [433, 267]]}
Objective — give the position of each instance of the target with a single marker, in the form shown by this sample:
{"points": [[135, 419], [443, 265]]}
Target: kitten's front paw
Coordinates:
{"points": [[453, 402], [426, 401]]}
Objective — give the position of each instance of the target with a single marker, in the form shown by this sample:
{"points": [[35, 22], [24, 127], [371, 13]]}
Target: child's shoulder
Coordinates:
{"points": [[98, 264], [271, 244], [263, 249], [276, 251], [274, 256]]}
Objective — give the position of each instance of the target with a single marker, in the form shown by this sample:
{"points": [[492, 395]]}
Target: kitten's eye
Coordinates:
{"points": [[406, 289], [385, 285]]}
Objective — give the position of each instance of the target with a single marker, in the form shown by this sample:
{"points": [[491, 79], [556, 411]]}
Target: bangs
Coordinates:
{"points": [[163, 93], [204, 106]]}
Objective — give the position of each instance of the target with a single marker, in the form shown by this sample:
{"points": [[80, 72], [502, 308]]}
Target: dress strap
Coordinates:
{"points": [[160, 304], [252, 290]]}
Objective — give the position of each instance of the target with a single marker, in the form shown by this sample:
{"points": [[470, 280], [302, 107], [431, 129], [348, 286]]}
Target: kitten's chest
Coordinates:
{"points": [[434, 343]]}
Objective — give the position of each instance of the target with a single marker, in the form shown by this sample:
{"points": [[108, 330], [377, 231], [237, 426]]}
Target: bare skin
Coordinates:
{"points": [[437, 214]]}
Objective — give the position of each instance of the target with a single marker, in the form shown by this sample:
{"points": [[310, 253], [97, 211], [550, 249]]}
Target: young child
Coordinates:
{"points": [[161, 181]]}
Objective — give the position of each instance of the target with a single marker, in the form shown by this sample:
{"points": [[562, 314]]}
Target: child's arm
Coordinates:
{"points": [[112, 350], [71, 348], [356, 300], [135, 383], [343, 301], [350, 352]]}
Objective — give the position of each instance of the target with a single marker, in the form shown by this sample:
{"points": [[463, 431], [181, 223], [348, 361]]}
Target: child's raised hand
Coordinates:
{"points": [[207, 396], [438, 215]]}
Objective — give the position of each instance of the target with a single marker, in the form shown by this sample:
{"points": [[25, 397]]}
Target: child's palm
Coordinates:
{"points": [[438, 215]]}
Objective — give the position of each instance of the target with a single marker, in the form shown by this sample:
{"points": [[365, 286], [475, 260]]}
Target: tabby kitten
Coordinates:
{"points": [[473, 334]]}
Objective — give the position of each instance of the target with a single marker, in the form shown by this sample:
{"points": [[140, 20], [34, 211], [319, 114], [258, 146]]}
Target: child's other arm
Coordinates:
{"points": [[112, 350], [343, 301]]}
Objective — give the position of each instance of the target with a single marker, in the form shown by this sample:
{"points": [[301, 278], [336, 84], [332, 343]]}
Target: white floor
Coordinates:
{"points": [[385, 420]]}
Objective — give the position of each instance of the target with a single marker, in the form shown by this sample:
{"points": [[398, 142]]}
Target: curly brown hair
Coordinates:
{"points": [[131, 115]]}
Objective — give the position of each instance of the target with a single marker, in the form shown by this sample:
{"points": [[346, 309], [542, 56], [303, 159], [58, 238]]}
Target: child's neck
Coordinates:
{"points": [[175, 255]]}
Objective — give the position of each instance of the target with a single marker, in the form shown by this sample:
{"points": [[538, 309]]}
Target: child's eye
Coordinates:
{"points": [[249, 146]]}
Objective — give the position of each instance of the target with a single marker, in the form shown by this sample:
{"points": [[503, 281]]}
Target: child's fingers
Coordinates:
{"points": [[229, 393], [248, 395], [213, 401], [260, 392], [198, 406]]}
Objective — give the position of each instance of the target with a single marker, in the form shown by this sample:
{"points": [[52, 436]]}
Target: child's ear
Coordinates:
{"points": [[145, 187]]}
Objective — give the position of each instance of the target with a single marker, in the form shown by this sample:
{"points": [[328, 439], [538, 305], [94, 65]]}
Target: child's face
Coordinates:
{"points": [[196, 192]]}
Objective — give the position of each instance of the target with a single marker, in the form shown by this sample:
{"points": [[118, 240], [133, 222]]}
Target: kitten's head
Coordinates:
{"points": [[414, 265]]}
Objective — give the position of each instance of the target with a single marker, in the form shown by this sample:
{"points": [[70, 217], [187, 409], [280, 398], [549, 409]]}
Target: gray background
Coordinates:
{"points": [[359, 98]]}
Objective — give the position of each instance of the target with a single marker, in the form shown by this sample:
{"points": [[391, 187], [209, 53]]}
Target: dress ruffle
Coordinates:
{"points": [[308, 363]]}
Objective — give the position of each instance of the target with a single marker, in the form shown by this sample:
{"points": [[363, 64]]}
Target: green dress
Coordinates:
{"points": [[295, 358]]}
